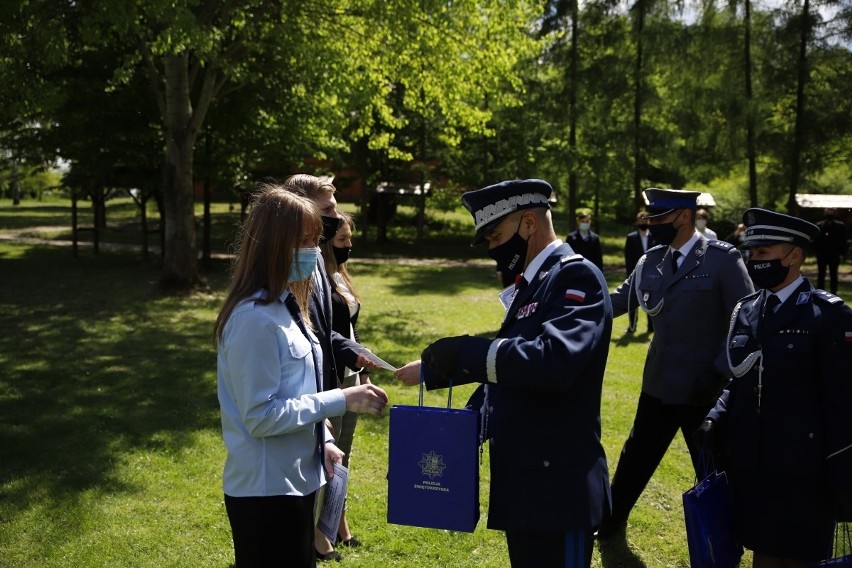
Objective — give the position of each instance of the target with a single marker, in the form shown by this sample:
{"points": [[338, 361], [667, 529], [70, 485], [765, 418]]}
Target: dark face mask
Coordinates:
{"points": [[768, 273], [510, 256], [664, 233], [642, 227], [329, 228], [341, 254]]}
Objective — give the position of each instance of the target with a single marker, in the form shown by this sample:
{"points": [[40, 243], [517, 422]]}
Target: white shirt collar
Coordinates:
{"points": [[788, 290], [687, 246], [536, 263]]}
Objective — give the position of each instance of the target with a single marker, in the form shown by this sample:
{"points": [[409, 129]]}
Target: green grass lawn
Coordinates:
{"points": [[110, 445]]}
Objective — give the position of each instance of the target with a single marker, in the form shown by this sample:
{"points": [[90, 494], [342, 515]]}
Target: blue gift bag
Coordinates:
{"points": [[708, 512], [433, 474], [842, 548]]}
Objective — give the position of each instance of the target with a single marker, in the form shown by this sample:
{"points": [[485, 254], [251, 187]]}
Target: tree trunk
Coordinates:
{"points": [[572, 113], [637, 108], [798, 130], [180, 262], [16, 183], [750, 145]]}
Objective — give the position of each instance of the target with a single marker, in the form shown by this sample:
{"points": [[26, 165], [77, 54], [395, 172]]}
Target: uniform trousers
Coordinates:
{"points": [[572, 549], [832, 264], [654, 428], [262, 525]]}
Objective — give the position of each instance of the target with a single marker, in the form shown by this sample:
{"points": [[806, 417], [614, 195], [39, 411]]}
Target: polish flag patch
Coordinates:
{"points": [[580, 296], [848, 335]]}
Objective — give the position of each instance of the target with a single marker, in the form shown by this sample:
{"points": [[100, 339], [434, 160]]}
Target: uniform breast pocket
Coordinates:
{"points": [[297, 345], [738, 341], [651, 283]]}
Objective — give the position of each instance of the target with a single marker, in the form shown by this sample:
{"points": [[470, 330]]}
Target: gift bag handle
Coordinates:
{"points": [[422, 382]]}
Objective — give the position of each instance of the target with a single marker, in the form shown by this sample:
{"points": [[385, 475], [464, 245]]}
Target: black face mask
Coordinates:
{"points": [[329, 228], [510, 256], [664, 233], [642, 227], [768, 273], [341, 254]]}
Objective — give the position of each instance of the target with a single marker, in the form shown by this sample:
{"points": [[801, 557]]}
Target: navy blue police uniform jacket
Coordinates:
{"points": [[788, 410], [544, 374]]}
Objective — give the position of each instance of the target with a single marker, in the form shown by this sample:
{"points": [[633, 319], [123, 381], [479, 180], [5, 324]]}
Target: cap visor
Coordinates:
{"points": [[479, 237], [653, 215]]}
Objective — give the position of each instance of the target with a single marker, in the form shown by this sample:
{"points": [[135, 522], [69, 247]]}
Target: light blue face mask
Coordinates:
{"points": [[304, 263]]}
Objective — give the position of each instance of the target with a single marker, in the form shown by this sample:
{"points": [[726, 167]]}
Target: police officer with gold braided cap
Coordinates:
{"points": [[541, 380], [784, 423], [688, 285]]}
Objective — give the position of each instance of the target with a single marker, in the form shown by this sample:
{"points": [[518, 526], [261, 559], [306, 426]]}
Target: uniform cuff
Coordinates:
{"points": [[332, 402]]}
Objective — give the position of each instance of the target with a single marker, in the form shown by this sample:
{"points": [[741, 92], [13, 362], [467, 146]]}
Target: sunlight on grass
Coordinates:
{"points": [[109, 421]]}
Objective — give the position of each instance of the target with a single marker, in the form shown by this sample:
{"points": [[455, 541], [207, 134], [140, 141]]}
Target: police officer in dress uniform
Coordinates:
{"points": [[688, 285], [542, 379], [785, 420]]}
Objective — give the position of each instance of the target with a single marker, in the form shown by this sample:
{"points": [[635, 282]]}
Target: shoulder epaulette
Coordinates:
{"points": [[570, 258], [827, 296], [724, 245]]}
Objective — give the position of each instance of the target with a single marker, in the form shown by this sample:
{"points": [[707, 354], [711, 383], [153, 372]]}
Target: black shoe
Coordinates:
{"points": [[351, 543], [333, 555], [610, 528]]}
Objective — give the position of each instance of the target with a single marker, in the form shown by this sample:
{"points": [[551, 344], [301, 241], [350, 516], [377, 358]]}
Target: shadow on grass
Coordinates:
{"points": [[616, 553], [95, 367]]}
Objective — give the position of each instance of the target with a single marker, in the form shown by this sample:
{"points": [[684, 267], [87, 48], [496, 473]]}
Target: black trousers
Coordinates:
{"points": [[272, 531], [572, 549], [654, 428], [832, 264]]}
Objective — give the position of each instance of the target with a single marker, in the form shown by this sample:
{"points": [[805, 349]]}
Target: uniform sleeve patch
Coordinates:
{"points": [[575, 295]]}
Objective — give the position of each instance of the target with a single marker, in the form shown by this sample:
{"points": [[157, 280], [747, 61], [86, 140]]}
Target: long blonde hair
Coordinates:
{"points": [[275, 226], [331, 265]]}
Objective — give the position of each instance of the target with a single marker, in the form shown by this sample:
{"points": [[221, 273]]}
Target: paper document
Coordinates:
{"points": [[335, 499], [378, 361]]}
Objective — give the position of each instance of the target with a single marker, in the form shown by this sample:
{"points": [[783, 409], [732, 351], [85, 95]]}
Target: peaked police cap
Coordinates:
{"points": [[663, 201], [764, 227], [490, 204]]}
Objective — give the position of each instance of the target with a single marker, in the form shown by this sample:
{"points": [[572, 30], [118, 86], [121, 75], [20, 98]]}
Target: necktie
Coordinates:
{"points": [[675, 255], [772, 302]]}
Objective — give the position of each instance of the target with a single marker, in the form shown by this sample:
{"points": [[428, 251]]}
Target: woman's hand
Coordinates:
{"points": [[368, 399]]}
